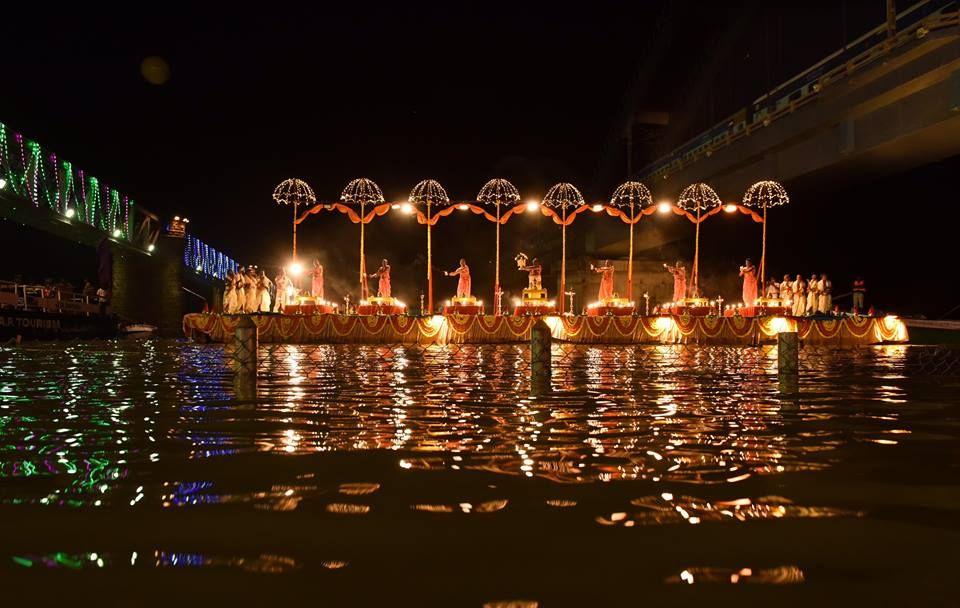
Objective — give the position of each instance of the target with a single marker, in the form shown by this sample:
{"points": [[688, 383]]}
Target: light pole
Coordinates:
{"points": [[498, 192], [428, 193]]}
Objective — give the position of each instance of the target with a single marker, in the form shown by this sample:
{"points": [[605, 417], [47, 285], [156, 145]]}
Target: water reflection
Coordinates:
{"points": [[393, 439], [82, 419]]}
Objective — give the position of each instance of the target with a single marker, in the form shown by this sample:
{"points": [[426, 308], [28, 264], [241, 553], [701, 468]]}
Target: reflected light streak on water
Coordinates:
{"points": [[631, 438]]}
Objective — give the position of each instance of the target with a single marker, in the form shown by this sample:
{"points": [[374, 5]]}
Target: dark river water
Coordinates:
{"points": [[138, 473]]}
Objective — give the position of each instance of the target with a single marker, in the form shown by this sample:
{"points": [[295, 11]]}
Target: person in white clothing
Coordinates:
{"points": [[282, 281], [772, 292], [252, 293], [812, 295], [799, 288], [229, 294], [824, 295], [786, 290]]}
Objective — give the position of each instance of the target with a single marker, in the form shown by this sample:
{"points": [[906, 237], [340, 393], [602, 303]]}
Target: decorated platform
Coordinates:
{"points": [[381, 306], [467, 305], [306, 305], [619, 307], [466, 329]]}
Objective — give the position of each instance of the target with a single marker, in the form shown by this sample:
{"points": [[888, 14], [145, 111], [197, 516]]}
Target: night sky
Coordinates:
{"points": [[459, 92]]}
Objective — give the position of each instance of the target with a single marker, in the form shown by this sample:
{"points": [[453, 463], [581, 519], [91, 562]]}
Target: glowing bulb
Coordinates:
{"points": [[533, 206], [151, 247], [395, 206], [295, 269], [3, 183], [70, 212], [597, 208], [730, 208], [117, 233], [176, 218], [199, 268], [663, 207], [406, 208], [463, 207], [665, 323]]}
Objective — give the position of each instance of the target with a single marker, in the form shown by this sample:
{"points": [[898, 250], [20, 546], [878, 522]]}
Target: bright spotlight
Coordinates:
{"points": [[3, 183], [117, 233], [730, 208], [665, 323], [533, 206], [407, 208], [597, 208], [69, 213], [151, 247], [664, 207], [295, 269], [395, 206], [463, 207]]}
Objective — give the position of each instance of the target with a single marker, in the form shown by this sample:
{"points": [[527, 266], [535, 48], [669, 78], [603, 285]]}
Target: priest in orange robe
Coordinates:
{"points": [[316, 275], [679, 273], [463, 285], [749, 273], [383, 273], [606, 271]]}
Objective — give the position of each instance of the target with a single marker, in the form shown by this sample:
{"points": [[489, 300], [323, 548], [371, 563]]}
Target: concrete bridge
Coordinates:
{"points": [[888, 102], [57, 221]]}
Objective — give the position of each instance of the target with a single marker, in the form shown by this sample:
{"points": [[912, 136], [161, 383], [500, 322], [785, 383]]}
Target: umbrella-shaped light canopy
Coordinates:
{"points": [[563, 196], [631, 193], [498, 192], [765, 194], [429, 191], [698, 197], [294, 191], [362, 191]]}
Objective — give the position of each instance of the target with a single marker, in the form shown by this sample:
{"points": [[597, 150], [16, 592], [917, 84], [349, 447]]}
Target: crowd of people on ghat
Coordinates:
{"points": [[250, 290], [812, 296]]}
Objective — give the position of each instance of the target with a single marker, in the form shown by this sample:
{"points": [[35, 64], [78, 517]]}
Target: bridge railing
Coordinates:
{"points": [[204, 259], [37, 175], [914, 23]]}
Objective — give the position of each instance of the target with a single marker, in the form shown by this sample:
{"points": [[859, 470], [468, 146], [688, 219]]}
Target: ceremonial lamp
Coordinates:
{"points": [[763, 195], [429, 192], [570, 295], [498, 192], [294, 192], [697, 198], [563, 196], [362, 192], [636, 197], [646, 304]]}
